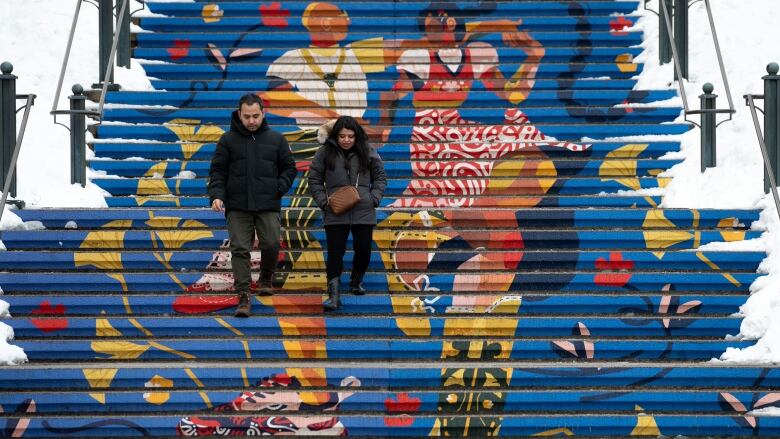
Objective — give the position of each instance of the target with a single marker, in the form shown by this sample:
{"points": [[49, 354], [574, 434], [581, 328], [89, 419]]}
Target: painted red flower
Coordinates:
{"points": [[50, 325], [401, 404], [617, 25], [615, 263], [180, 49], [273, 15]]}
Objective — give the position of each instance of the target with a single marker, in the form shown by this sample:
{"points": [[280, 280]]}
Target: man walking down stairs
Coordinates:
{"points": [[524, 283]]}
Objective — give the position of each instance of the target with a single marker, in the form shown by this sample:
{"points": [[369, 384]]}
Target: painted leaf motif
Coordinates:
{"points": [[17, 427], [768, 400], [119, 350], [731, 403]]}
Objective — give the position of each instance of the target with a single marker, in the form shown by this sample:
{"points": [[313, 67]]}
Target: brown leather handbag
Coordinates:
{"points": [[344, 198]]}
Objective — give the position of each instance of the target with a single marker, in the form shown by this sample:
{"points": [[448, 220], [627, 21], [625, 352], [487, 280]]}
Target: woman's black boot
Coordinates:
{"points": [[356, 284], [334, 301]]}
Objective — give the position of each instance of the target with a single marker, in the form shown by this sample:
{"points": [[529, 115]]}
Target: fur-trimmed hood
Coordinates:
{"points": [[324, 131]]}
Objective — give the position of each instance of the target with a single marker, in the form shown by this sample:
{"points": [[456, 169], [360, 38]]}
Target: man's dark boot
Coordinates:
{"points": [[244, 307], [334, 301], [356, 284], [265, 287]]}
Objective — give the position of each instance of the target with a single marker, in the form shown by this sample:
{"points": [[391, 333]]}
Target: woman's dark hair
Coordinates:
{"points": [[451, 9], [361, 147]]}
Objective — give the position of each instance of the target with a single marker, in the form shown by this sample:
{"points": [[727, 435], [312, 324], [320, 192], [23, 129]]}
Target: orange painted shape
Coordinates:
{"points": [[302, 325]]}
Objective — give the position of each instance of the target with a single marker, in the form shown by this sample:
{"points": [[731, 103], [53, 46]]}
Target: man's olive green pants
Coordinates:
{"points": [[242, 227]]}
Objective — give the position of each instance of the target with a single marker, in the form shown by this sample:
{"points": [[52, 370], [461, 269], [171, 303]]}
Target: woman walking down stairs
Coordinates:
{"points": [[522, 281]]}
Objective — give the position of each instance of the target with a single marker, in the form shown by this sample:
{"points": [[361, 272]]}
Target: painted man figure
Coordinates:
{"points": [[251, 170]]}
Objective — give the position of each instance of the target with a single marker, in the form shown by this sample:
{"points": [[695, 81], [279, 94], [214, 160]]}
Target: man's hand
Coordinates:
{"points": [[218, 206]]}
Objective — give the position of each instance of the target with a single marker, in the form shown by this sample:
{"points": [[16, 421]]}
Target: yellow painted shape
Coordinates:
{"points": [[659, 255], [733, 235], [310, 376], [656, 218], [480, 327], [728, 223], [507, 304], [164, 348], [140, 201], [190, 149], [158, 168], [175, 239], [211, 13], [99, 397], [304, 349], [99, 378], [618, 168], [119, 350], [645, 425], [555, 432], [546, 183], [663, 181], [188, 130], [475, 349], [152, 186], [109, 260], [625, 63], [628, 151], [310, 260], [103, 328], [163, 222], [103, 240], [118, 224], [301, 281], [455, 379], [370, 54], [406, 305], [414, 326], [158, 397], [661, 239]]}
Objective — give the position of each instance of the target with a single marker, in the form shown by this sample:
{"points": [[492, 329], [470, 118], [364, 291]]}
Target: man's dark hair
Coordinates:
{"points": [[250, 99]]}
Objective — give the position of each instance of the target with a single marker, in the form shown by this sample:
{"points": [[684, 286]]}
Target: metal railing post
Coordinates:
{"points": [[708, 125], [771, 119], [78, 143], [7, 123], [681, 34], [105, 38], [123, 27], [664, 46]]}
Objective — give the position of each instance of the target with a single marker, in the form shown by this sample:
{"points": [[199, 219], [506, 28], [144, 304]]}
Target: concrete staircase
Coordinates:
{"points": [[524, 280]]}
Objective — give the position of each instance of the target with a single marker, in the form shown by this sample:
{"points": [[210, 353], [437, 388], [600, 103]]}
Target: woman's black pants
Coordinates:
{"points": [[336, 236]]}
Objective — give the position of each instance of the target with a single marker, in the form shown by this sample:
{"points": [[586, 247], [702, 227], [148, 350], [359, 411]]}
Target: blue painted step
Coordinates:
{"points": [[41, 305], [380, 281], [527, 327], [531, 260], [406, 426], [362, 401], [412, 8], [395, 187], [402, 377], [506, 218], [618, 200], [592, 168], [373, 349], [564, 84], [205, 54], [249, 70], [477, 99], [398, 134], [389, 152], [527, 239], [404, 116]]}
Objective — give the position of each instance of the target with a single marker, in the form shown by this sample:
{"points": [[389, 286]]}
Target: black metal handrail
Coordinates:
{"points": [[30, 101], [665, 15], [98, 114], [749, 99]]}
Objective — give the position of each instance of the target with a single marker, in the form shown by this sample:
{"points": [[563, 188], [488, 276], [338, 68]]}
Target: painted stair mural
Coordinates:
{"points": [[525, 281]]}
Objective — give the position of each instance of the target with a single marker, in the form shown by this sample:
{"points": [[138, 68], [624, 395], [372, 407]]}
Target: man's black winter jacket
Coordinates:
{"points": [[251, 171]]}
